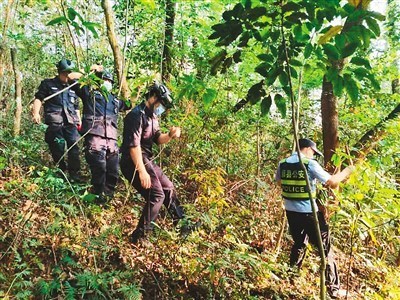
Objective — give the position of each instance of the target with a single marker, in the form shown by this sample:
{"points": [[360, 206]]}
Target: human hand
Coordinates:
{"points": [[36, 118], [145, 179], [97, 68], [174, 132]]}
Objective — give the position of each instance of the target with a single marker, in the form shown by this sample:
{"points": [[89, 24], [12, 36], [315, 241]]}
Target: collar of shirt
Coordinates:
{"points": [[148, 112]]}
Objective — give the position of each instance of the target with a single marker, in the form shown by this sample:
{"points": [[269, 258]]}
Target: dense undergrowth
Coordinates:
{"points": [[56, 244]]}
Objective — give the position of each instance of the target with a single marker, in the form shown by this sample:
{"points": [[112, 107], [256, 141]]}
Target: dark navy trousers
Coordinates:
{"points": [[162, 192], [302, 230], [102, 157], [60, 138]]}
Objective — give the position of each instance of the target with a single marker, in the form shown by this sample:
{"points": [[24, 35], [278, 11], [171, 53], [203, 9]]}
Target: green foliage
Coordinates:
{"points": [[74, 19], [55, 242], [291, 27]]}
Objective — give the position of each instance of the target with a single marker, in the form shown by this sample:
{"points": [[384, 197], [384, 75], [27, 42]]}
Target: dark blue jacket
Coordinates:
{"points": [[100, 116], [60, 109]]}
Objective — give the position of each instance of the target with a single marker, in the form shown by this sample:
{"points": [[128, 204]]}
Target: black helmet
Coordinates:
{"points": [[65, 65], [163, 94], [105, 75]]}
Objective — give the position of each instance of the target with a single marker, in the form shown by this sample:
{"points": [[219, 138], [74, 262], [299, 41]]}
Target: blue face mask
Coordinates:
{"points": [[160, 110]]}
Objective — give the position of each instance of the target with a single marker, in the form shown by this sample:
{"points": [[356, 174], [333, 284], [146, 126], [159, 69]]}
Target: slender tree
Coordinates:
{"points": [[118, 58], [18, 93], [166, 65]]}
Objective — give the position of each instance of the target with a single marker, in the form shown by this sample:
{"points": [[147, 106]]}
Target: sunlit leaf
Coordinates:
{"points": [[333, 31]]}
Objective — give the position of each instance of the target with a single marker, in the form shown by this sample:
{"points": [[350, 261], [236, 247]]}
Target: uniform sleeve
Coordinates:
{"points": [[43, 91], [134, 127], [317, 172]]}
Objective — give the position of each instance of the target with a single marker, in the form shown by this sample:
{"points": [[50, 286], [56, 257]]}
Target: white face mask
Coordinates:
{"points": [[107, 85], [160, 110]]}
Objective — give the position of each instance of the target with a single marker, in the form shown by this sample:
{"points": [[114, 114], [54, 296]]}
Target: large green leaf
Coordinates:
{"points": [[331, 51], [263, 69], [266, 57], [266, 105], [283, 78], [351, 88], [375, 83], [308, 50], [91, 27], [360, 73], [272, 75], [338, 85], [374, 26], [217, 60], [256, 92], [349, 49], [72, 13], [340, 41], [331, 74], [359, 61], [280, 103], [256, 13], [366, 35], [295, 62], [237, 56], [57, 20], [208, 97]]}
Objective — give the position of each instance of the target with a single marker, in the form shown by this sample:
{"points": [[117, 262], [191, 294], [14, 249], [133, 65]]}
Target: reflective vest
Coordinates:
{"points": [[293, 181]]}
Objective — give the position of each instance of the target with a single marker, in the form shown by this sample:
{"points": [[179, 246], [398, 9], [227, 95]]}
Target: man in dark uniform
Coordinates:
{"points": [[291, 177], [100, 129], [61, 114], [141, 131]]}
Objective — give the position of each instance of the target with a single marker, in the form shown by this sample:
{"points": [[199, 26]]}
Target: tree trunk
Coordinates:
{"points": [[18, 92], [4, 46], [329, 114], [118, 58], [166, 65]]}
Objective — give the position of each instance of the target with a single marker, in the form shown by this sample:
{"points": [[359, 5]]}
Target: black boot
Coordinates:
{"points": [[136, 236], [75, 177]]}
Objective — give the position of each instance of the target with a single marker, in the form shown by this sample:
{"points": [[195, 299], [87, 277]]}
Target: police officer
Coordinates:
{"points": [[61, 114], [141, 131], [100, 129], [298, 208]]}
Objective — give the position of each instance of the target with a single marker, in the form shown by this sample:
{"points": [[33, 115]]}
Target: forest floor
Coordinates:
{"points": [[55, 243]]}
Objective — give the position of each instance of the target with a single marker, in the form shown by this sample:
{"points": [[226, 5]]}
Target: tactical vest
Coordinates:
{"points": [[293, 181], [60, 109], [100, 117]]}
